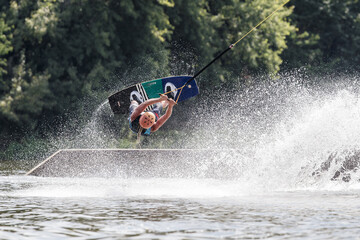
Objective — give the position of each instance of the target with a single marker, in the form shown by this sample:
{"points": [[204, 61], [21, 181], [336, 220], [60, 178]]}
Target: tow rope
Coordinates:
{"points": [[226, 50]]}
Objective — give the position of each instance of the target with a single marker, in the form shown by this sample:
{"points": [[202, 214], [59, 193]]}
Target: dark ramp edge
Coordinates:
{"points": [[142, 163]]}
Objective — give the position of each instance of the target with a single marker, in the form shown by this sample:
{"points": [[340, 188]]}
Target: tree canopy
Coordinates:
{"points": [[55, 52]]}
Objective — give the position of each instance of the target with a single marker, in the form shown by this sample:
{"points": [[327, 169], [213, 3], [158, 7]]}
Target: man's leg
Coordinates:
{"points": [[133, 105], [164, 104], [158, 107]]}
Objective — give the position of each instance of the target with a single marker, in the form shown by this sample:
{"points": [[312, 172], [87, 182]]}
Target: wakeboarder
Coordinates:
{"points": [[149, 121]]}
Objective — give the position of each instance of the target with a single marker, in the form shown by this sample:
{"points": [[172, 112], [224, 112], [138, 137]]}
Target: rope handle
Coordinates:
{"points": [[177, 99]]}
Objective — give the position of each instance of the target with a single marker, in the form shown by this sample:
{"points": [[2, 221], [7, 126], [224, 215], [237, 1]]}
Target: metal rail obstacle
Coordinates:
{"points": [[141, 163]]}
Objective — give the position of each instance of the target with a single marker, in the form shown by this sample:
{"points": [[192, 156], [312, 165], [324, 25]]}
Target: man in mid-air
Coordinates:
{"points": [[149, 121]]}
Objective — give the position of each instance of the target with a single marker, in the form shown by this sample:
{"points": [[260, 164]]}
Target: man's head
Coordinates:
{"points": [[147, 120]]}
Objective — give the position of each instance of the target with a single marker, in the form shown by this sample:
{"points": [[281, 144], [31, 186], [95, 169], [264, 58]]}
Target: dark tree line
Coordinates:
{"points": [[53, 53]]}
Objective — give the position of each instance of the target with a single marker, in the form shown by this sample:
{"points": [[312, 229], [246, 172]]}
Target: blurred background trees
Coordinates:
{"points": [[54, 53], [328, 35]]}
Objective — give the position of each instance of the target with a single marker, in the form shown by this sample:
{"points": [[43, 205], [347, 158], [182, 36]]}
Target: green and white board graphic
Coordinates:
{"points": [[120, 101]]}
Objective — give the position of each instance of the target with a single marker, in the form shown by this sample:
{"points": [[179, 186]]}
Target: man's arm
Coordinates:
{"points": [[145, 104], [165, 117]]}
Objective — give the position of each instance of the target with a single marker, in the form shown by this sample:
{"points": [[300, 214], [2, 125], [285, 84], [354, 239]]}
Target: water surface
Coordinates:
{"points": [[60, 208]]}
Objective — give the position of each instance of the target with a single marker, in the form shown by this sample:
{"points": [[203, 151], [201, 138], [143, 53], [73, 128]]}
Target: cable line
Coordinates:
{"points": [[226, 50]]}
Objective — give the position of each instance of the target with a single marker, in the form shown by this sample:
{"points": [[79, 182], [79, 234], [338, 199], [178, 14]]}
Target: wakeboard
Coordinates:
{"points": [[120, 101]]}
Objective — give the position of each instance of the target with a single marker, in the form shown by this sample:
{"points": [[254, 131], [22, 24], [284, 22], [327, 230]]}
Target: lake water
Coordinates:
{"points": [[96, 208], [285, 129]]}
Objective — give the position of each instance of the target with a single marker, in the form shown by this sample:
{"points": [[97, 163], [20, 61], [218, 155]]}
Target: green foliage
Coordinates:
{"points": [[211, 26], [261, 49], [55, 53], [332, 27], [5, 48], [29, 148], [65, 50], [309, 54], [24, 102]]}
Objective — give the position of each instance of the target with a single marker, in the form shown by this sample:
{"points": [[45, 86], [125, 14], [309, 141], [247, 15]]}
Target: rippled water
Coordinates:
{"points": [[60, 208]]}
